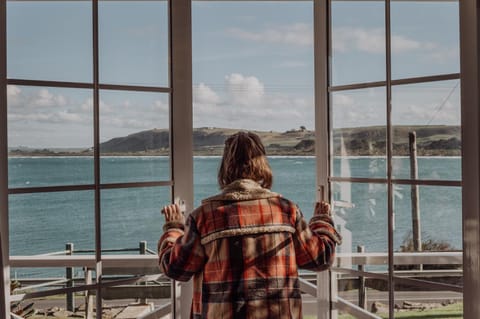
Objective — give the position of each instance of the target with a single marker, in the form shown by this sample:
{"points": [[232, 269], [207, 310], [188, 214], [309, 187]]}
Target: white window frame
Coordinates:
{"points": [[181, 129]]}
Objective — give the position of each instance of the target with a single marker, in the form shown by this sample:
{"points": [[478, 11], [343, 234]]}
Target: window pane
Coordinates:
{"points": [[360, 214], [134, 136], [359, 133], [44, 222], [50, 136], [437, 213], [432, 111], [132, 215], [440, 216], [358, 42], [49, 40], [425, 38], [133, 42]]}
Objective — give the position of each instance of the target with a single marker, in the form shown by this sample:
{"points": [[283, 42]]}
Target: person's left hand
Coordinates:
{"points": [[322, 208], [173, 213]]}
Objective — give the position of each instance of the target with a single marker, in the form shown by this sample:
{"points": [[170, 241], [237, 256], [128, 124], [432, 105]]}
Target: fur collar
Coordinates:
{"points": [[240, 190]]}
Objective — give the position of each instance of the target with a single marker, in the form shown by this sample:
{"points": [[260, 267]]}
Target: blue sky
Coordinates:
{"points": [[252, 66]]}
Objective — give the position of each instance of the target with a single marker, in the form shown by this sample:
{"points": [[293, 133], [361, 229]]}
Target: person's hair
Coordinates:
{"points": [[244, 157]]}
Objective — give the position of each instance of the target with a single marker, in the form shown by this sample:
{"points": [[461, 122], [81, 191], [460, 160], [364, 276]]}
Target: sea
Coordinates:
{"points": [[43, 223]]}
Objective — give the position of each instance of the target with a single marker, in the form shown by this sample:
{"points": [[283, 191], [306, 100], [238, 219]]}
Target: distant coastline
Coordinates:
{"points": [[433, 140]]}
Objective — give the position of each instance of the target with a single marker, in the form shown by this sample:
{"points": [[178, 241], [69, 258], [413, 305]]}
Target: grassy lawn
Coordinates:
{"points": [[453, 311]]}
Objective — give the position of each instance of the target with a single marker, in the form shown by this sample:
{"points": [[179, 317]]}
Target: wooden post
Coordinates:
{"points": [[362, 291], [143, 250], [416, 229], [70, 298], [142, 246], [88, 295]]}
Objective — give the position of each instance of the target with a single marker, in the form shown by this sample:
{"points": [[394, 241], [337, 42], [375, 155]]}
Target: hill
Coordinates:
{"points": [[432, 140], [208, 141]]}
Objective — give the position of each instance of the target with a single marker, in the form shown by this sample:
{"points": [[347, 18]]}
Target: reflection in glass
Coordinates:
{"points": [[431, 111], [133, 39], [49, 40], [359, 133], [131, 215], [361, 215], [440, 216], [425, 38], [437, 214], [44, 222], [50, 136], [134, 136], [358, 42]]}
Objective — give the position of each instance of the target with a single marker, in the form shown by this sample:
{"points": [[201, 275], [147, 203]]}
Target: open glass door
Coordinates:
{"points": [[395, 146]]}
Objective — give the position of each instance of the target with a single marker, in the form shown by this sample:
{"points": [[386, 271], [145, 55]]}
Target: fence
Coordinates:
{"points": [[143, 268]]}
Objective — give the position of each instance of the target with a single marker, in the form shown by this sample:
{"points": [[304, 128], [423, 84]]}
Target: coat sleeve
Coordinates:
{"points": [[315, 242], [180, 252]]}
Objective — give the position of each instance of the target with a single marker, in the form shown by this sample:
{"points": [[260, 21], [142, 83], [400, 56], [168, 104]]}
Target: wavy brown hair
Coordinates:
{"points": [[244, 157]]}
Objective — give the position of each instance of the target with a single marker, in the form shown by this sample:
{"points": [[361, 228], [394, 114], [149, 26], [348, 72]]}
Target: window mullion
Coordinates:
{"points": [[4, 231]]}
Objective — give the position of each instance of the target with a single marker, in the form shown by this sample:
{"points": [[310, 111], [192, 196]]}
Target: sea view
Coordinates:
{"points": [[45, 222]]}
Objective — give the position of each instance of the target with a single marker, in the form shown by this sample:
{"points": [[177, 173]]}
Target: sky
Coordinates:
{"points": [[252, 66]]}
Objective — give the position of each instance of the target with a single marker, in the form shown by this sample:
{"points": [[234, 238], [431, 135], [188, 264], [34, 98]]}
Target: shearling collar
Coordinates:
{"points": [[240, 190]]}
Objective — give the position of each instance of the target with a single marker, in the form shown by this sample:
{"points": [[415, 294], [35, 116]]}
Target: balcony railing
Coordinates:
{"points": [[137, 270]]}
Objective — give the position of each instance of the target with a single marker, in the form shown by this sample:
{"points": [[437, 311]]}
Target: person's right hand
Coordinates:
{"points": [[322, 208]]}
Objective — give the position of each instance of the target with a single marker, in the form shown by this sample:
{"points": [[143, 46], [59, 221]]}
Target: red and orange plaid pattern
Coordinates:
{"points": [[243, 252]]}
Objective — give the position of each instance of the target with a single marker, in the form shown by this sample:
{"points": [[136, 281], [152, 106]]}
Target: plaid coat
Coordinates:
{"points": [[243, 248]]}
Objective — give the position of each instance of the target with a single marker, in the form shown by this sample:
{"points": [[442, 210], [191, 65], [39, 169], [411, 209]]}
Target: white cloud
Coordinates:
{"points": [[87, 106], [244, 102], [245, 90], [346, 39], [13, 91], [295, 34], [203, 94], [45, 98], [62, 117], [159, 105], [342, 100]]}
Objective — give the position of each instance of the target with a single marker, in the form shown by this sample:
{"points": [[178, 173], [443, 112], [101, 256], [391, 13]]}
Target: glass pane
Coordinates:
{"points": [[133, 42], [56, 149], [430, 112], [49, 40], [360, 214], [359, 133], [132, 215], [428, 219], [358, 42], [45, 222], [134, 136], [439, 215], [425, 38]]}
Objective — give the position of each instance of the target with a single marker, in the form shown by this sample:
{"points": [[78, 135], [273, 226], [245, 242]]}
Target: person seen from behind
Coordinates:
{"points": [[244, 246]]}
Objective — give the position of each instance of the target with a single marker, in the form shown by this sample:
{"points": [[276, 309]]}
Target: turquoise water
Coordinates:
{"points": [[44, 222]]}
